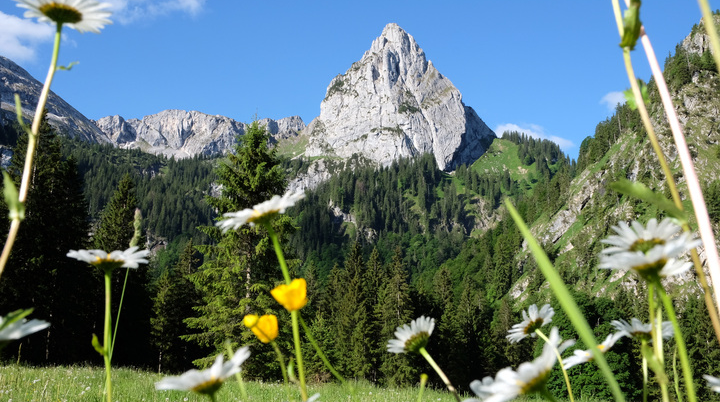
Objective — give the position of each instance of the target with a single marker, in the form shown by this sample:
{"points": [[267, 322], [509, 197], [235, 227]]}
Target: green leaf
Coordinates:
{"points": [[18, 112], [15, 316], [632, 25], [641, 192], [12, 199], [69, 66], [630, 96], [291, 371], [560, 290], [97, 346]]}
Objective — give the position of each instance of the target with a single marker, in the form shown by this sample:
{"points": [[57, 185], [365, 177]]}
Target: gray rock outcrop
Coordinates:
{"points": [[15, 80], [393, 103]]}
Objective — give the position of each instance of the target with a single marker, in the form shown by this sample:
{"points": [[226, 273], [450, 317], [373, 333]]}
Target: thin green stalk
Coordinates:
{"points": [[437, 369], [324, 358], [107, 346], [423, 382], [298, 353], [684, 361], [676, 377], [560, 360], [279, 253], [656, 333], [31, 147], [566, 301], [117, 319], [710, 29], [281, 360], [238, 375], [645, 372]]}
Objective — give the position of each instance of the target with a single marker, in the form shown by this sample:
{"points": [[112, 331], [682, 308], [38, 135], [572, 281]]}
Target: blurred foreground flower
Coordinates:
{"points": [[130, 258], [584, 356], [637, 329], [260, 213], [532, 320], [650, 251], [293, 296], [208, 381], [82, 15], [264, 327], [14, 326], [530, 377], [712, 382], [410, 338]]}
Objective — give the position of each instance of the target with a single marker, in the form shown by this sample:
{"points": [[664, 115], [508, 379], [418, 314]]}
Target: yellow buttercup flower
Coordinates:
{"points": [[265, 327], [293, 296]]}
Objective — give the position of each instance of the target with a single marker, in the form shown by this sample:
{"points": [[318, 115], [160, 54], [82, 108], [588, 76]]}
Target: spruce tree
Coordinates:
{"points": [[240, 267], [39, 273]]}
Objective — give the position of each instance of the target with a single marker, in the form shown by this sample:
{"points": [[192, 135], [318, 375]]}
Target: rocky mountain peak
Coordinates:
{"points": [[392, 104]]}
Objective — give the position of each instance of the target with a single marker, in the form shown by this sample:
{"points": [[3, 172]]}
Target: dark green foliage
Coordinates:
{"points": [[175, 297], [682, 66], [63, 291], [116, 226], [607, 133]]}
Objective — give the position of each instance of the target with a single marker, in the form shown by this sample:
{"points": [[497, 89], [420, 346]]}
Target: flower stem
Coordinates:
{"points": [[560, 360], [279, 253], [298, 353], [423, 381], [645, 372], [437, 369], [31, 146], [281, 360], [684, 362], [656, 333], [117, 319], [107, 342], [675, 377]]}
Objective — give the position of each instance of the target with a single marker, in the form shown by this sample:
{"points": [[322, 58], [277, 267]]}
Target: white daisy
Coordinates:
{"points": [[130, 258], [637, 329], [260, 212], [12, 328], [583, 356], [82, 15], [650, 251], [529, 378], [712, 382], [410, 338], [481, 389], [208, 381], [532, 320]]}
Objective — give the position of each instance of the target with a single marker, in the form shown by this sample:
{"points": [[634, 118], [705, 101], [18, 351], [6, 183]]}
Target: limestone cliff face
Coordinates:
{"points": [[185, 134], [393, 103], [15, 80]]}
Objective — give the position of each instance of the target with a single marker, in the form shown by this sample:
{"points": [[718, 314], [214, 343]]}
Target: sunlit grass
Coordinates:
{"points": [[76, 383]]}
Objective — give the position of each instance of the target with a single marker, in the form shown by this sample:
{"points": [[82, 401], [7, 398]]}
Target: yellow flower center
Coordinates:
{"points": [[107, 263], [644, 245], [601, 347], [534, 385], [208, 387], [61, 13]]}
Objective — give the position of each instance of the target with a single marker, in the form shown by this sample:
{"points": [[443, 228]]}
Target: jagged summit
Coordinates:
{"points": [[393, 103]]}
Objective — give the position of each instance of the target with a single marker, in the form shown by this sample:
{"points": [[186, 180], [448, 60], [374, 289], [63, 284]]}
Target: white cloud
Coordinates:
{"points": [[534, 131], [611, 100], [19, 37], [128, 11]]}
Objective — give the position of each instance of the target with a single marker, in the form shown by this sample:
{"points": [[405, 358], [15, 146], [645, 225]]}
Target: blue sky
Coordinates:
{"points": [[543, 67]]}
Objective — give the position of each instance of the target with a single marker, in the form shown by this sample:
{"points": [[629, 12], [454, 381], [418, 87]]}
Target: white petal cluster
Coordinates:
{"points": [[93, 15], [275, 205], [19, 329], [712, 382], [656, 246], [530, 377], [583, 356], [532, 319], [209, 379], [637, 329], [419, 329], [130, 258]]}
